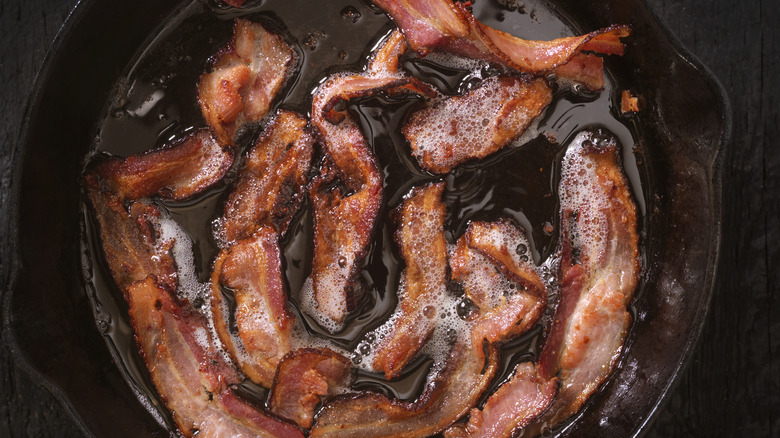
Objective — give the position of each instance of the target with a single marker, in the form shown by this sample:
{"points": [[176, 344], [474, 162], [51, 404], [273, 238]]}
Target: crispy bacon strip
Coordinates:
{"points": [[247, 284], [251, 271], [304, 378], [476, 124], [245, 78], [514, 405], [509, 302], [599, 269], [448, 395], [189, 372], [430, 25], [421, 238], [345, 214], [175, 172], [271, 184]]}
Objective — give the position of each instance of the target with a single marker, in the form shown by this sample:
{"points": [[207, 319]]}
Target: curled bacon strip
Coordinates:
{"points": [[303, 379], [424, 249], [448, 395], [190, 373], [345, 214], [247, 285], [514, 405], [245, 78], [599, 268], [443, 25], [509, 302], [476, 124]]}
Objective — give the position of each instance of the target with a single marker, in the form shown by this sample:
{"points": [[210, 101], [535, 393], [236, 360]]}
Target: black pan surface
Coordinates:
{"points": [[49, 320]]}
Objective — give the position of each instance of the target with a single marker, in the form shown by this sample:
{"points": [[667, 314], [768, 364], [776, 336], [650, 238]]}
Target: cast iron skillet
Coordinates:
{"points": [[48, 322]]}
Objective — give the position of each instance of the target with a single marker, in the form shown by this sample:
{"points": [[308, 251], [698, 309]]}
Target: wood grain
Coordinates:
{"points": [[732, 387]]}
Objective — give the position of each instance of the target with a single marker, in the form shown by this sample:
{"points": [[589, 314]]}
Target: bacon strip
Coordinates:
{"points": [[190, 373], [599, 268], [448, 395], [424, 249], [247, 284], [252, 271], [476, 124], [129, 234], [511, 300], [245, 78], [175, 172], [304, 378], [345, 214], [271, 184], [430, 25], [514, 405]]}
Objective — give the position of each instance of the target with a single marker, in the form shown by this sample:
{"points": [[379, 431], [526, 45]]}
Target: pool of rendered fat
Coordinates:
{"points": [[155, 102]]}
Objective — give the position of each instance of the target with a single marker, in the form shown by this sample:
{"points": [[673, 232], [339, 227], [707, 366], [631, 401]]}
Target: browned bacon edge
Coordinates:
{"points": [[476, 124], [420, 236], [513, 406], [430, 25], [345, 214], [303, 379], [246, 76], [599, 269]]}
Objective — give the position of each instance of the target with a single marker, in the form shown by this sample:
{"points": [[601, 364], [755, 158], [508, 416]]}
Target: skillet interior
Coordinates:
{"points": [[52, 329]]}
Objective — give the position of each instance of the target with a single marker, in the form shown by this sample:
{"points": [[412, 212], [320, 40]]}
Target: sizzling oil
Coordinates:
{"points": [[157, 102]]}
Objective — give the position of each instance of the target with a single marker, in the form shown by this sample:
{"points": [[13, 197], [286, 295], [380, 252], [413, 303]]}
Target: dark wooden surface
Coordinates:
{"points": [[732, 386]]}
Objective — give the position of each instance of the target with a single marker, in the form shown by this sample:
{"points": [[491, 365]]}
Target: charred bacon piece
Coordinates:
{"points": [[303, 379], [476, 124], [188, 371], [245, 78], [430, 25], [449, 393], [599, 269], [347, 195], [492, 262], [249, 296], [271, 183], [514, 405], [259, 336], [420, 237], [175, 172]]}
